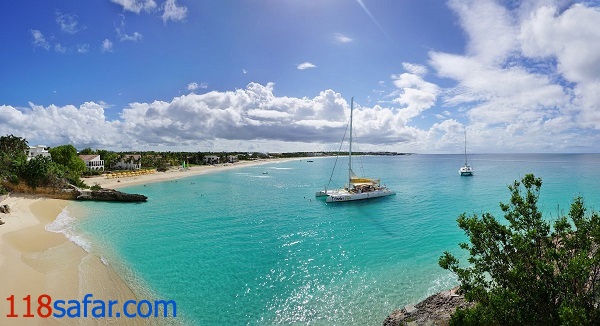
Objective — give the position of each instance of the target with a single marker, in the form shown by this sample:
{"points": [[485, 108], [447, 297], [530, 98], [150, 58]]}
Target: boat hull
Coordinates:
{"points": [[336, 197], [465, 171]]}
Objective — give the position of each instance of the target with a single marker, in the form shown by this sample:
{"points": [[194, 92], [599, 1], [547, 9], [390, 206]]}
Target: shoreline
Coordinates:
{"points": [[35, 261], [174, 174]]}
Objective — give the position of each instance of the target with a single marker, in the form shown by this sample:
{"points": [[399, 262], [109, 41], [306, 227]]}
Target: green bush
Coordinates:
{"points": [[529, 272]]}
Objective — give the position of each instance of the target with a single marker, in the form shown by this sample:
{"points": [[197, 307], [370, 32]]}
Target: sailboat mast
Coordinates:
{"points": [[465, 146], [350, 147]]}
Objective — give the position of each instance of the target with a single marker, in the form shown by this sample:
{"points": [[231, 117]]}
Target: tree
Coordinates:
{"points": [[527, 272], [66, 155], [110, 158], [13, 152], [13, 146], [87, 151], [41, 171]]}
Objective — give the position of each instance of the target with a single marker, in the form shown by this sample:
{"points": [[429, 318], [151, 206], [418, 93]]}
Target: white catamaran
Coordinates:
{"points": [[358, 188], [465, 170]]}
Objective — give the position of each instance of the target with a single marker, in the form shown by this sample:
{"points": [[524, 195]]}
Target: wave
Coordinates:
{"points": [[65, 224]]}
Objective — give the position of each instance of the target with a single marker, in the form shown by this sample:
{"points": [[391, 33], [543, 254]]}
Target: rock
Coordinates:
{"points": [[1, 222], [4, 209], [435, 310], [110, 195]]}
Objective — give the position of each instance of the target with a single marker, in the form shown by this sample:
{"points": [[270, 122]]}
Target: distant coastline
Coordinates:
{"points": [[178, 173]]}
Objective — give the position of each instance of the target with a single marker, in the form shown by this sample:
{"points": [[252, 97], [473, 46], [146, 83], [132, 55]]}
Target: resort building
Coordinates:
{"points": [[129, 162], [211, 159], [93, 162], [232, 158], [36, 151]]}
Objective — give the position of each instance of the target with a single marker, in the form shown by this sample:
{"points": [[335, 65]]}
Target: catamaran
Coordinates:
{"points": [[465, 170], [357, 188]]}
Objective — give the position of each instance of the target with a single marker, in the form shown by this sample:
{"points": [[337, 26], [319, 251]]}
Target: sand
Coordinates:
{"points": [[34, 261], [178, 173]]}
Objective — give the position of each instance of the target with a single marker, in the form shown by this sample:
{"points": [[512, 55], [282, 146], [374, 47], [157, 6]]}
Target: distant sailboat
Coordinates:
{"points": [[358, 188], [466, 170]]}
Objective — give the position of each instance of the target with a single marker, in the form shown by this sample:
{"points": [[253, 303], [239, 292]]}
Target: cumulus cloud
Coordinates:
{"points": [[173, 12], [306, 65], [136, 6], [251, 115], [39, 40], [528, 80]]}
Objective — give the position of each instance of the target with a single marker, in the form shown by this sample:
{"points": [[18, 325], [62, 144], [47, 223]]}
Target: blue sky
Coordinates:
{"points": [[278, 75]]}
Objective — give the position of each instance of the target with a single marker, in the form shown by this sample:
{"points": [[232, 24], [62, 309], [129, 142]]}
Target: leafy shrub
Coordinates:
{"points": [[528, 272]]}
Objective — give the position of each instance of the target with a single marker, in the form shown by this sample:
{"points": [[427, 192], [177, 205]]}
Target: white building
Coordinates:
{"points": [[232, 158], [211, 159], [36, 151], [129, 162], [93, 162]]}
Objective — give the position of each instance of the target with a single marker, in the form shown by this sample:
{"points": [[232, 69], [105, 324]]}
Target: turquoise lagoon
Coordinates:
{"points": [[244, 247]]}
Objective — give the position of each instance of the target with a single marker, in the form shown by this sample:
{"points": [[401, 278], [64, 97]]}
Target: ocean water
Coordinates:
{"points": [[245, 247]]}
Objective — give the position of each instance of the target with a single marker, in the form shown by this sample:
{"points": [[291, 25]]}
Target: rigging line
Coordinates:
{"points": [[338, 155]]}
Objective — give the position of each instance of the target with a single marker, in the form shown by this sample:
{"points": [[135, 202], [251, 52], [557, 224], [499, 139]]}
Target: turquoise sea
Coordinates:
{"points": [[245, 247]]}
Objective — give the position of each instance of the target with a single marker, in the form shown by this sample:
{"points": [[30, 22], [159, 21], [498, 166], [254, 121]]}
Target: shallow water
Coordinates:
{"points": [[246, 247]]}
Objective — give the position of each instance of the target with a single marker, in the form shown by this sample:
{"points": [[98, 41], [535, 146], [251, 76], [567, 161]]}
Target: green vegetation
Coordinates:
{"points": [[64, 168], [528, 272]]}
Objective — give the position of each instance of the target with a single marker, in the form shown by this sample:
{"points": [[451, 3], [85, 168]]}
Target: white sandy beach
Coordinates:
{"points": [[174, 174], [34, 261]]}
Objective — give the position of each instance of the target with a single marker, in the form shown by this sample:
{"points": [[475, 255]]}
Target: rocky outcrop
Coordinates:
{"points": [[76, 193], [4, 209], [435, 310], [109, 195]]}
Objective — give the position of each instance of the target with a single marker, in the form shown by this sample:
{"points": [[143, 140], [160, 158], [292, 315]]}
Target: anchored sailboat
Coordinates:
{"points": [[465, 170], [358, 188]]}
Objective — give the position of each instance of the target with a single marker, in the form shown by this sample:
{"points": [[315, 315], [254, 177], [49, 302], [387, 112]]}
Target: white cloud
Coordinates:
{"points": [[192, 86], [251, 115], [136, 6], [68, 23], [416, 69], [415, 94], [491, 29], [107, 45], [340, 38], [39, 40], [173, 12], [528, 80], [133, 37], [124, 36], [83, 48], [306, 65], [244, 71], [59, 48]]}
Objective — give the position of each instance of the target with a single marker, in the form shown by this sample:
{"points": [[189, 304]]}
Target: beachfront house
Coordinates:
{"points": [[233, 159], [129, 162], [93, 162], [37, 151], [211, 159]]}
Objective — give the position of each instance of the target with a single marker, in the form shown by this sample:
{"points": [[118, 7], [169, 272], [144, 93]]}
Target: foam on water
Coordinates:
{"points": [[65, 224]]}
